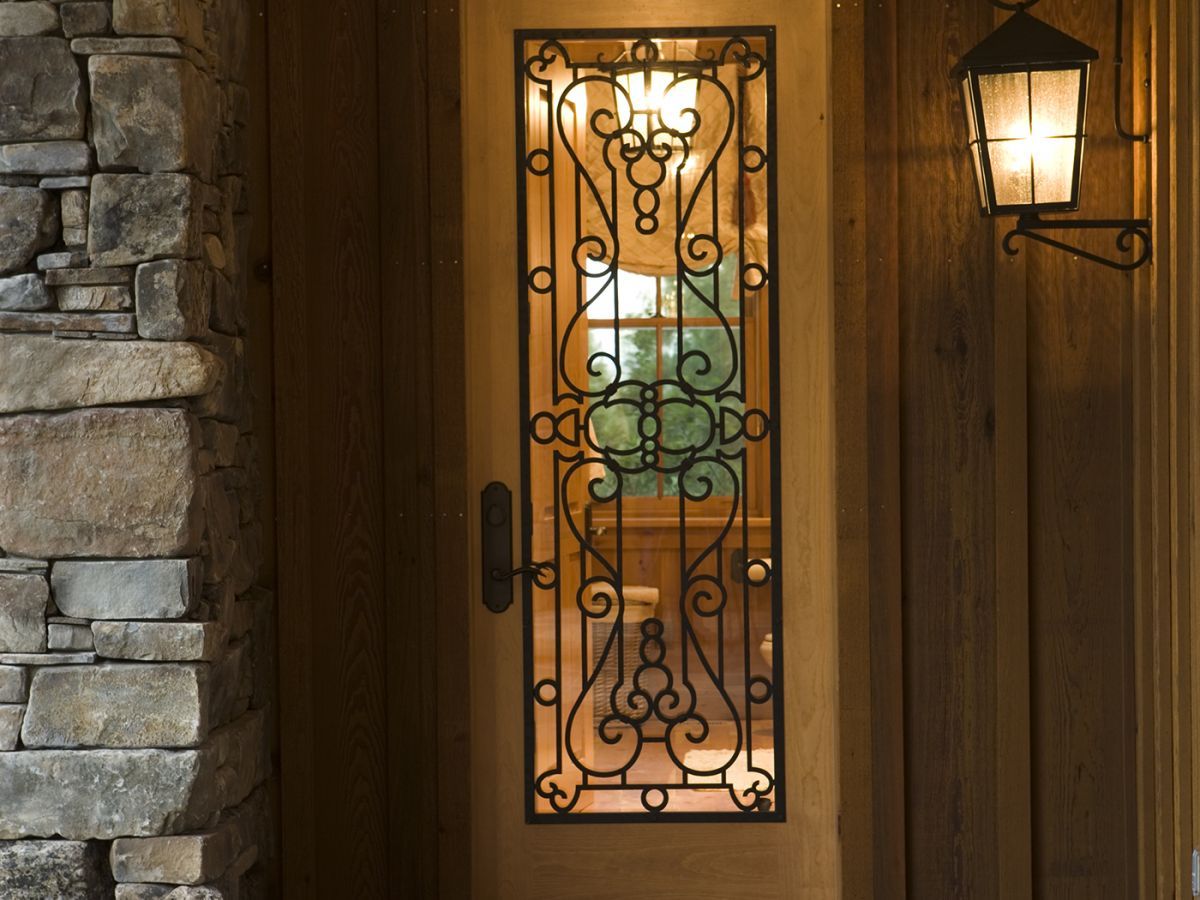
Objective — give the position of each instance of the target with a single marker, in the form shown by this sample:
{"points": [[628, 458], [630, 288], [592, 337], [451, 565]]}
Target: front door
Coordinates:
{"points": [[649, 351]]}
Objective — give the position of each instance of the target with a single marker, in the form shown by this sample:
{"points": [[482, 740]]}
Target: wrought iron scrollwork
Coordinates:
{"points": [[645, 684], [1132, 235]]}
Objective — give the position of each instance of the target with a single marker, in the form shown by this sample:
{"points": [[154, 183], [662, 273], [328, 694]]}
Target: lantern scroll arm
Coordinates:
{"points": [[1131, 234]]}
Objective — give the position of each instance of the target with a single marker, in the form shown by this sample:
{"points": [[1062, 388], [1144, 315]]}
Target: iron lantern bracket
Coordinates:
{"points": [[1131, 234]]}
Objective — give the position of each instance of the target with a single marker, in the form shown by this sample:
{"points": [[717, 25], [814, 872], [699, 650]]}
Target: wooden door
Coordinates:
{"points": [[512, 858]]}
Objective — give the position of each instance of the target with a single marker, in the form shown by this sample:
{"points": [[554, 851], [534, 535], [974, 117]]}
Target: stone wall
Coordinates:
{"points": [[135, 650]]}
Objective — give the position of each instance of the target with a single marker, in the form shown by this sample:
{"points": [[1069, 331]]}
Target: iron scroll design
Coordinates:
{"points": [[670, 690], [1131, 235]]}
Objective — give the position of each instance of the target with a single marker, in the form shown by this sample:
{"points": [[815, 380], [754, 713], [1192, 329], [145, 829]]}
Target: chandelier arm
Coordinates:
{"points": [[1118, 61], [1128, 230]]}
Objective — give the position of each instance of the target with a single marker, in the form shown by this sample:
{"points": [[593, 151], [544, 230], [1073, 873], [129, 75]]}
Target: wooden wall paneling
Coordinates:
{"points": [[1170, 67], [855, 739], [291, 390], [1185, 72], [1081, 552], [408, 398], [325, 191], [947, 436], [260, 369], [868, 451], [1152, 482], [884, 449], [1014, 788], [449, 426]]}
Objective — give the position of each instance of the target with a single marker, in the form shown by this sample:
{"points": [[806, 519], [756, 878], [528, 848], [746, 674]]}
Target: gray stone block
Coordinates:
{"points": [[24, 293], [172, 297], [175, 859], [23, 564], [152, 114], [14, 684], [61, 182], [183, 19], [63, 870], [94, 298], [127, 589], [27, 17], [24, 600], [118, 705], [119, 482], [43, 373], [79, 19], [93, 275], [62, 259], [62, 636], [105, 794], [57, 658], [41, 93], [45, 157], [146, 46], [10, 726], [46, 322], [142, 891], [28, 223], [137, 218], [158, 641]]}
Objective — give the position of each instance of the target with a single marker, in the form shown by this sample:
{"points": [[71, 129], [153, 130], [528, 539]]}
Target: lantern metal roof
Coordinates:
{"points": [[1023, 41]]}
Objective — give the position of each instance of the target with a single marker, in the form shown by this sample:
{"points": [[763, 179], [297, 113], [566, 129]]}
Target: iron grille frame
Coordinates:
{"points": [[778, 811]]}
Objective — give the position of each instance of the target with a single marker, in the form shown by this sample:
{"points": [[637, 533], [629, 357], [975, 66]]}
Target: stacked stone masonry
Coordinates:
{"points": [[135, 648]]}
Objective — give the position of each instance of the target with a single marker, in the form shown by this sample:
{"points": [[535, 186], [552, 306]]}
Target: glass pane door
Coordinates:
{"points": [[648, 313]]}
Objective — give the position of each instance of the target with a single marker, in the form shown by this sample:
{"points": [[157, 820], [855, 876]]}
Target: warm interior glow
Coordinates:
{"points": [[658, 100]]}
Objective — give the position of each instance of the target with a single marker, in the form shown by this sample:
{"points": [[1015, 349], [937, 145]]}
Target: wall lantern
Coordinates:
{"points": [[1025, 95]]}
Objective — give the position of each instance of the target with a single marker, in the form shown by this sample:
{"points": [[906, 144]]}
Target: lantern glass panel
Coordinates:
{"points": [[1011, 172], [1005, 98], [1054, 169], [1055, 103]]}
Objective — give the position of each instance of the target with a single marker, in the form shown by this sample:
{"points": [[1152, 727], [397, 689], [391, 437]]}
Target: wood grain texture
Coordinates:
{"points": [[883, 395], [408, 407], [948, 467], [292, 460], [328, 421], [856, 741], [868, 450], [260, 367], [1081, 422], [796, 859]]}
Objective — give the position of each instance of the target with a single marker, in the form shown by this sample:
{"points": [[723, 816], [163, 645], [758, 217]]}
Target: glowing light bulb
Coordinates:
{"points": [[656, 99]]}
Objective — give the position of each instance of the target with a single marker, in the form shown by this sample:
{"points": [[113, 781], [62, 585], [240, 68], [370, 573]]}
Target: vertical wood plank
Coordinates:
{"points": [[406, 313], [882, 266], [856, 741], [1081, 557], [448, 390], [1014, 851], [291, 389], [333, 636], [947, 432]]}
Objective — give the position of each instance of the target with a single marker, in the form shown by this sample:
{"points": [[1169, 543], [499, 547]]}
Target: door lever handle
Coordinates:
{"points": [[535, 570], [495, 521]]}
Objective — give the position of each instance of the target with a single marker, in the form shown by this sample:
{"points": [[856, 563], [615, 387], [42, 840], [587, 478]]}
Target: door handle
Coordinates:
{"points": [[498, 570]]}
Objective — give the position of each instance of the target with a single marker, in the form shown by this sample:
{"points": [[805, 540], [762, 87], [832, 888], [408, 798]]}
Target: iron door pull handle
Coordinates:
{"points": [[534, 570]]}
